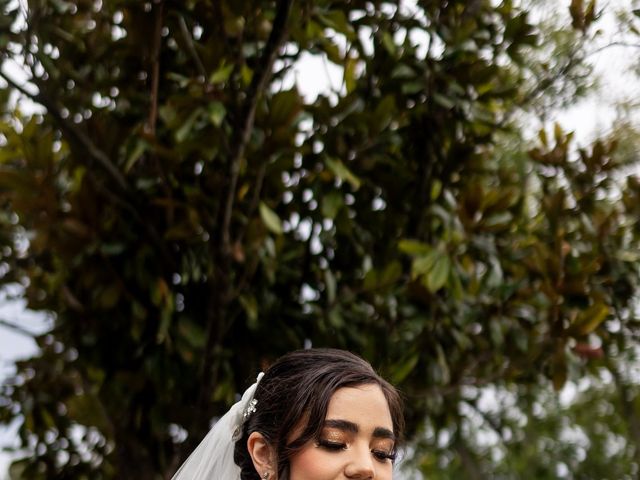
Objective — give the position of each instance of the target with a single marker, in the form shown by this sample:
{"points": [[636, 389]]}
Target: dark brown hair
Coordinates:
{"points": [[297, 388]]}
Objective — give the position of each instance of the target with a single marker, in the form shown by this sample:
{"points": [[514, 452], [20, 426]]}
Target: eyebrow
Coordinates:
{"points": [[345, 425]]}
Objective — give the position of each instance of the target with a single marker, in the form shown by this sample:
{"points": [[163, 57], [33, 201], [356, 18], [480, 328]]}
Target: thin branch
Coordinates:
{"points": [[155, 69], [613, 44], [17, 329], [255, 200], [468, 459], [246, 119], [71, 131], [240, 139], [152, 120], [191, 47]]}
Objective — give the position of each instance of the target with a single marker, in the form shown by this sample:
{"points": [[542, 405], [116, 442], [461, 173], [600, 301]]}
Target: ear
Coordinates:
{"points": [[262, 454]]}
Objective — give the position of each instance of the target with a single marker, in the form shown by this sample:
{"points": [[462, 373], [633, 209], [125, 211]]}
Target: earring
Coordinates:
{"points": [[265, 475]]}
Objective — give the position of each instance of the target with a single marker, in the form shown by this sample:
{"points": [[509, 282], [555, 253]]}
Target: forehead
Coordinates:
{"points": [[364, 405]]}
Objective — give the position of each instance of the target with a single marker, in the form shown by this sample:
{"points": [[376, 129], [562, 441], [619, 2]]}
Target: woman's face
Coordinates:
{"points": [[356, 442]]}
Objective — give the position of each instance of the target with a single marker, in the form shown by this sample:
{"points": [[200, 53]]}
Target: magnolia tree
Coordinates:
{"points": [[185, 215]]}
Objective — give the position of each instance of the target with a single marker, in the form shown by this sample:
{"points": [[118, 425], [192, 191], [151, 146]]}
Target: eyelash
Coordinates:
{"points": [[383, 456], [335, 447]]}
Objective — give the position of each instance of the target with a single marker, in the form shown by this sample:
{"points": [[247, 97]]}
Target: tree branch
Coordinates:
{"points": [[240, 139], [17, 329], [247, 115], [613, 44], [468, 460], [71, 131], [191, 47], [155, 69], [255, 199]]}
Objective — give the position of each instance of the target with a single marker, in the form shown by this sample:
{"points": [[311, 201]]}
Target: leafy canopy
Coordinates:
{"points": [[186, 215]]}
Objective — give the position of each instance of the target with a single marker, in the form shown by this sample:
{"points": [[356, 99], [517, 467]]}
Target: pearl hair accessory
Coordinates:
{"points": [[251, 408]]}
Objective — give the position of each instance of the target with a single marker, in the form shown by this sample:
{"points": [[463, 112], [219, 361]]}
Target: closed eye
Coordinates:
{"points": [[332, 446], [384, 456]]}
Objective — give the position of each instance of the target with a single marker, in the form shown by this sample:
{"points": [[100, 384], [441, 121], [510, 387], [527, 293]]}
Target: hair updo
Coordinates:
{"points": [[299, 386]]}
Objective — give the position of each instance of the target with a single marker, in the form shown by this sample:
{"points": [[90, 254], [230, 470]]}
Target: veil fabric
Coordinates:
{"points": [[213, 458]]}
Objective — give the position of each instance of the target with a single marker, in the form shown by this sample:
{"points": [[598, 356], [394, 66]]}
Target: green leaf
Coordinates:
{"points": [[437, 276], [590, 319], [410, 88], [333, 51], [337, 20], [185, 130], [424, 264], [559, 372], [18, 468], [444, 101], [193, 333], [137, 152], [112, 248], [109, 296], [246, 74], [217, 112], [445, 372], [250, 307], [371, 280], [389, 44], [285, 106], [343, 173], [406, 367], [221, 74], [331, 286], [498, 221], [542, 135], [167, 114], [436, 189], [391, 274], [495, 331], [181, 80], [403, 71], [335, 318], [384, 113], [558, 134], [166, 315], [414, 247], [331, 204], [349, 76], [270, 219]]}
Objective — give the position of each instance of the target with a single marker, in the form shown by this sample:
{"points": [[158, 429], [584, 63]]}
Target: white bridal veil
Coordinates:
{"points": [[213, 458]]}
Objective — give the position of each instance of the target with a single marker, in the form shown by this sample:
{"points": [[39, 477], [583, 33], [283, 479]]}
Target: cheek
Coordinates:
{"points": [[313, 464]]}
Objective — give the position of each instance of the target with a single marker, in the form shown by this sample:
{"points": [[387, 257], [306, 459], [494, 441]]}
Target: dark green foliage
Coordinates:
{"points": [[186, 215]]}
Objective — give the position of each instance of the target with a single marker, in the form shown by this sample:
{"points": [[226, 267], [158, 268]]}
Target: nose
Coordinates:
{"points": [[360, 466]]}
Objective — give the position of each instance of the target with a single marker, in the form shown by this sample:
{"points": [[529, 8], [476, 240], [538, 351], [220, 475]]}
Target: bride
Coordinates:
{"points": [[317, 414]]}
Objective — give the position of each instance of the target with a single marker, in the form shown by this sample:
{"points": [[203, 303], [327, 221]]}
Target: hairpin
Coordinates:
{"points": [[251, 408]]}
